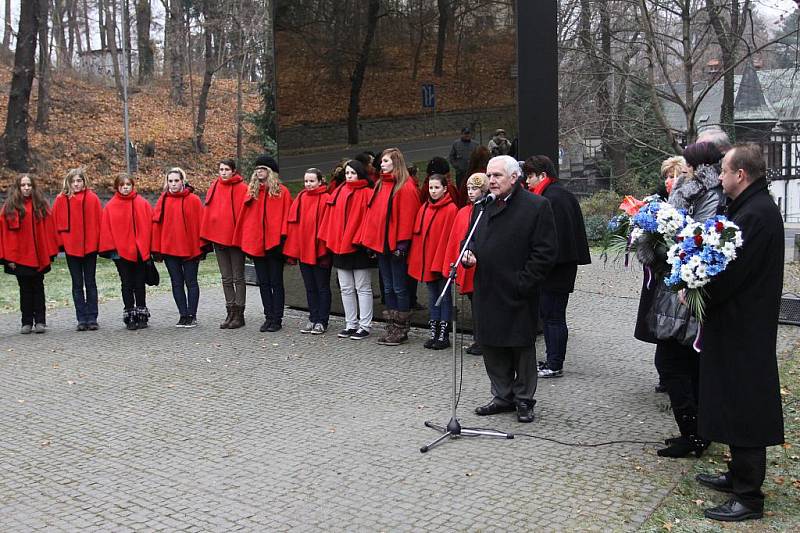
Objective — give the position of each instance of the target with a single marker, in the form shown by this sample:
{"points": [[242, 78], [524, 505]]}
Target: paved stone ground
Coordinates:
{"points": [[210, 430]]}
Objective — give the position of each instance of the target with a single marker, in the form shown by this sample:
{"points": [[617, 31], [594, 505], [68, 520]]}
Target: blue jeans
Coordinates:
{"points": [[553, 310], [445, 309], [184, 273], [82, 271], [318, 292], [269, 272], [394, 273]]}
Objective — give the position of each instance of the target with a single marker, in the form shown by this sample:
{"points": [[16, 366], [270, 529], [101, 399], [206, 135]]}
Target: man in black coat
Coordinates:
{"points": [[740, 402], [514, 248], [573, 250]]}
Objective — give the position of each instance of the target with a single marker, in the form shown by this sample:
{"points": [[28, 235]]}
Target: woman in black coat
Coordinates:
{"points": [[573, 250]]}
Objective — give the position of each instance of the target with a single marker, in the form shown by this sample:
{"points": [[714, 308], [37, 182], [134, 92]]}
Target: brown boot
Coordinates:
{"points": [[227, 322], [403, 324], [237, 319], [389, 316]]}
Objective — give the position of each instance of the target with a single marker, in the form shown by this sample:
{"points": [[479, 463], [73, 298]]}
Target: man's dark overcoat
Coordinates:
{"points": [[573, 247], [740, 402], [515, 245]]}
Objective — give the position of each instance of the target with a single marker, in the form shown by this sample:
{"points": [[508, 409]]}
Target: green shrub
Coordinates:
{"points": [[596, 227], [603, 203]]}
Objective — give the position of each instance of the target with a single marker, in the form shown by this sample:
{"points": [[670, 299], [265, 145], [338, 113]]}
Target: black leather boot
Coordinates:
{"points": [[434, 326], [688, 442], [443, 340]]}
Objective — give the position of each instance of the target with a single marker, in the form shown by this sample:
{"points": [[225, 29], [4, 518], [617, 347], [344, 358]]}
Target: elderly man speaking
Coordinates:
{"points": [[514, 248]]}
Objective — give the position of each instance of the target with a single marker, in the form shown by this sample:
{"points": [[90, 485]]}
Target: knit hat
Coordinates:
{"points": [[267, 161]]}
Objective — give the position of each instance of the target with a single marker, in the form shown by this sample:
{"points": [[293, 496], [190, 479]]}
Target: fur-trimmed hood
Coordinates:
{"points": [[687, 189]]}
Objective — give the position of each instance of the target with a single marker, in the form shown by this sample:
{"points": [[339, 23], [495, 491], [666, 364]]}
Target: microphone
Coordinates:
{"points": [[486, 200]]}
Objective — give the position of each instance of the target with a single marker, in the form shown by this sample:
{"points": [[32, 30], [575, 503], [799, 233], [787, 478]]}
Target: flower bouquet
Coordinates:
{"points": [[701, 251]]}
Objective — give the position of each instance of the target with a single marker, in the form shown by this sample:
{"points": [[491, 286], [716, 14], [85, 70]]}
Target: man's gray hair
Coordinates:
{"points": [[716, 136], [510, 165]]}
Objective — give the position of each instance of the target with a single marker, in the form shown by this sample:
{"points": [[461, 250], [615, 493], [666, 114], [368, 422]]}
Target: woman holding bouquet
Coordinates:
{"points": [[699, 193]]}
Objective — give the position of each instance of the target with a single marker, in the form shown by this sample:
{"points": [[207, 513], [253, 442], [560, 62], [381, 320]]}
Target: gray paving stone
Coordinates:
{"points": [[210, 430]]}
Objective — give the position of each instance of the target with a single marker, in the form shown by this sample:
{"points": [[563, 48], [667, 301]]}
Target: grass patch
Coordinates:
{"points": [[682, 510], [58, 284]]}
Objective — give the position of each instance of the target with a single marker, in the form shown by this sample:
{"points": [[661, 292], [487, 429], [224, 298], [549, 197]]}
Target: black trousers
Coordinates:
{"points": [[679, 368], [512, 371], [132, 276], [747, 470], [31, 298]]}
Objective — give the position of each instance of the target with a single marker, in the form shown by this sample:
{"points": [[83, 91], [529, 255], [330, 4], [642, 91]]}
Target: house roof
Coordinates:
{"points": [[759, 95]]}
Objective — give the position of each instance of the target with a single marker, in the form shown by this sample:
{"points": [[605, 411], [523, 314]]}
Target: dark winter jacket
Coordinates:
{"points": [[739, 400], [515, 245], [573, 248]]}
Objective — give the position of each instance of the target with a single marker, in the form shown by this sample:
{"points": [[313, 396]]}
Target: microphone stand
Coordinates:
{"points": [[453, 429]]}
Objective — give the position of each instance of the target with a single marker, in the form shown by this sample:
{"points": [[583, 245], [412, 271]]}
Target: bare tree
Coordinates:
{"points": [[7, 31], [360, 69], [15, 137], [43, 102], [144, 17], [113, 48], [175, 42], [441, 35]]}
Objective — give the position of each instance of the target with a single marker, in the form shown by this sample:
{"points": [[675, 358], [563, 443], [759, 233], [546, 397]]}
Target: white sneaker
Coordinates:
{"points": [[308, 328], [318, 329]]}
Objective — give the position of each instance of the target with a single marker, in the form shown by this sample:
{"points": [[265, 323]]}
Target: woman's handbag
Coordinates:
{"points": [[151, 276], [669, 319]]}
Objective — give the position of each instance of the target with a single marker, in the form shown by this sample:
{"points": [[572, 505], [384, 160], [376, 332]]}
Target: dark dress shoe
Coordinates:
{"points": [[493, 408], [276, 325], [684, 446], [720, 482], [525, 412], [732, 511]]}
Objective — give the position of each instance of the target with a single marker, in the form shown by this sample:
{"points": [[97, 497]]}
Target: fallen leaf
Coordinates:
{"points": [[699, 502], [44, 443], [778, 480]]}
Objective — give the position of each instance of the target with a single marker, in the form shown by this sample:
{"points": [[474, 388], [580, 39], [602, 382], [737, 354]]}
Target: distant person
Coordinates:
{"points": [[77, 213], [499, 144], [716, 136], [573, 250], [477, 165], [740, 396], [27, 246], [460, 153]]}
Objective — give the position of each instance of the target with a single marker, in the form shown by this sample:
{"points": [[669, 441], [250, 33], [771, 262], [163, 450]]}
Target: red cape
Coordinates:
{"points": [[464, 276], [397, 225], [224, 200], [77, 220], [304, 226], [28, 241], [262, 222], [127, 227], [343, 219], [431, 229], [176, 225]]}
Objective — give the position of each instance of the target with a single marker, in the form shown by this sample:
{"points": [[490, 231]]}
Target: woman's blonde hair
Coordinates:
{"points": [[174, 170], [273, 183], [66, 187], [673, 166], [480, 180], [400, 171]]}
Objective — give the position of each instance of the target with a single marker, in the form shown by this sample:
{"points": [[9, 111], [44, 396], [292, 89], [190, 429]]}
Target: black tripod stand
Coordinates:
{"points": [[453, 429]]}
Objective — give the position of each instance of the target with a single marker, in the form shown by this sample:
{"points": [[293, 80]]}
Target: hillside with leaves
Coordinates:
{"points": [[86, 129]]}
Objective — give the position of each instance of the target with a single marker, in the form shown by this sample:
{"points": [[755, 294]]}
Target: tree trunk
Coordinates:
{"points": [[441, 36], [113, 49], [74, 30], [176, 43], [101, 24], [7, 31], [87, 28], [15, 137], [126, 36], [211, 67], [144, 17], [62, 59], [357, 78], [43, 103]]}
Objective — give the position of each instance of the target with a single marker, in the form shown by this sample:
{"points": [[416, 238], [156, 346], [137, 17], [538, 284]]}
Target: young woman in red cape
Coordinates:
{"points": [[476, 186], [176, 241], [77, 213], [260, 233], [388, 226], [224, 200], [426, 256], [303, 244], [340, 230], [27, 246], [125, 233]]}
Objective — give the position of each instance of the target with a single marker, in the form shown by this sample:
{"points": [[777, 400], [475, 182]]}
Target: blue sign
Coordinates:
{"points": [[428, 95]]}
